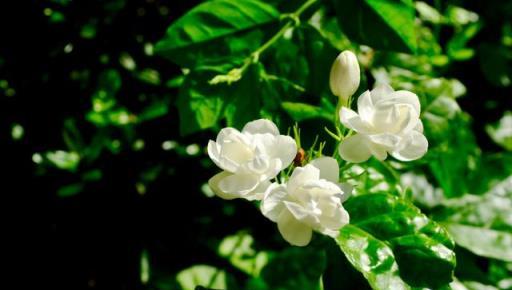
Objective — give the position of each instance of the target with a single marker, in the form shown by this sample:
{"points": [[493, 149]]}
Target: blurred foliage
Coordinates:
{"points": [[108, 106]]}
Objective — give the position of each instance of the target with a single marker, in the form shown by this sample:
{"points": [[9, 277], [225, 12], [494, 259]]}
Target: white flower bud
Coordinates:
{"points": [[345, 76]]}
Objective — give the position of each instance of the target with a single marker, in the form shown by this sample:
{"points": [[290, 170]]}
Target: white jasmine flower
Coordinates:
{"points": [[345, 76], [249, 159], [387, 122], [310, 200]]}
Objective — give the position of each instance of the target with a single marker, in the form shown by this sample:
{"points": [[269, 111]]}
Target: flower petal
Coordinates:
{"points": [[329, 169], [414, 146], [332, 224], [380, 92], [365, 106], [406, 97], [259, 192], [347, 191], [240, 184], [301, 175], [236, 152], [293, 231], [378, 150], [354, 149], [272, 204], [261, 126], [214, 185], [286, 149], [352, 120]]}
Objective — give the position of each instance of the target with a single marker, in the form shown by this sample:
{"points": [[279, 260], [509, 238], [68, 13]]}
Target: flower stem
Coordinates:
{"points": [[293, 21]]}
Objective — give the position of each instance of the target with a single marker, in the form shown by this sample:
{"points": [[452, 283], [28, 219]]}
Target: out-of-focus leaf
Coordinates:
{"points": [[453, 151], [456, 47], [63, 159], [501, 133], [423, 192], [153, 111], [70, 189], [428, 13], [239, 251], [210, 21], [483, 242], [149, 75], [202, 275], [392, 243], [383, 24], [495, 64], [301, 111], [460, 16]]}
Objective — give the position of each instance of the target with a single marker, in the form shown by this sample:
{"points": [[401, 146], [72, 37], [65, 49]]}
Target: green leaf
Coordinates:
{"points": [[392, 243], [239, 251], [200, 105], [244, 98], [456, 47], [383, 24], [501, 132], [302, 111], [495, 64], [202, 275], [63, 160], [295, 268], [483, 242], [70, 189], [210, 21]]}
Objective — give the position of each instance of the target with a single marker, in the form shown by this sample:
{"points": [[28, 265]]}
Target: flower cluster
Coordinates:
{"points": [[387, 122]]}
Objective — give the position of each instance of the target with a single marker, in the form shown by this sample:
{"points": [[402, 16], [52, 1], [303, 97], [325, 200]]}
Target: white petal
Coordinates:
{"points": [[419, 126], [329, 168], [227, 134], [414, 147], [389, 141], [352, 120], [272, 204], [354, 149], [406, 97], [259, 192], [236, 152], [377, 150], [365, 106], [240, 184], [347, 191], [261, 126], [298, 212], [293, 231], [380, 92], [214, 185], [286, 150], [301, 175], [213, 152], [332, 224]]}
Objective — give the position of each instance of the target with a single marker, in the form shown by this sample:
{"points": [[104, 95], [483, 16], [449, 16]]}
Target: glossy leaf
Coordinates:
{"points": [[483, 242], [394, 245], [383, 24], [211, 21]]}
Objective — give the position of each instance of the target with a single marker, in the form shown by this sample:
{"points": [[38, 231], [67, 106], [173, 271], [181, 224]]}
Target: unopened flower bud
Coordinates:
{"points": [[345, 76]]}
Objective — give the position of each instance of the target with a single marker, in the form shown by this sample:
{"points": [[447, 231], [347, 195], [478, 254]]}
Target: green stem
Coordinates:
{"points": [[294, 20]]}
